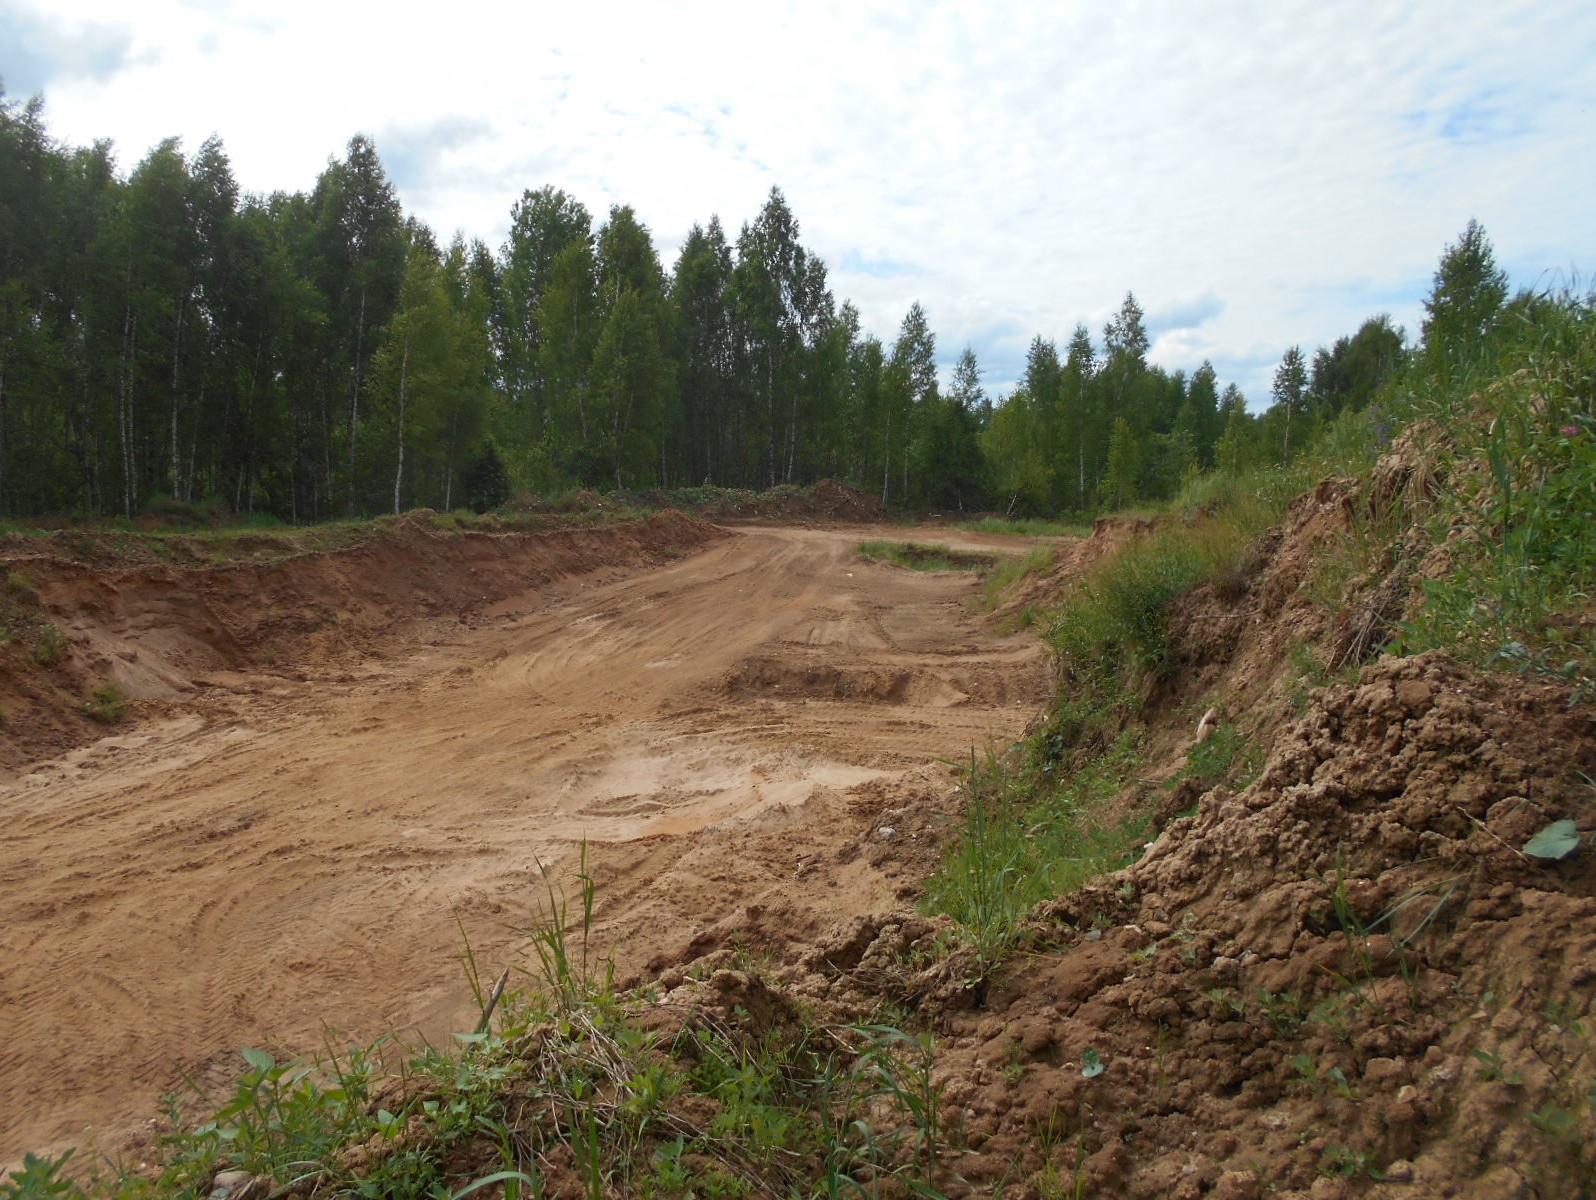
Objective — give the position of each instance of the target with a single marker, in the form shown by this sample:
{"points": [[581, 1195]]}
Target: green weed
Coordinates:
{"points": [[51, 647], [1321, 1081], [1226, 756], [920, 557], [1514, 507], [1347, 1161], [1026, 527], [1009, 571], [41, 1179], [106, 705], [1029, 836]]}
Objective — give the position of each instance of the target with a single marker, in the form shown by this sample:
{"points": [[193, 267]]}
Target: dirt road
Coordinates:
{"points": [[272, 861]]}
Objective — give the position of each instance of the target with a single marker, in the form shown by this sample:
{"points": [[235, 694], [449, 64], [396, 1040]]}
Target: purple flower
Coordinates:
{"points": [[1570, 431]]}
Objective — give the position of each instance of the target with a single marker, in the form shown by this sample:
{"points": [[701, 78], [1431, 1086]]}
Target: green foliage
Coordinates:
{"points": [[51, 646], [41, 1179], [487, 482], [1226, 756], [1514, 475], [920, 557], [106, 705], [1111, 633], [318, 354], [1030, 835], [1122, 477], [1462, 309], [1347, 1161], [282, 1120]]}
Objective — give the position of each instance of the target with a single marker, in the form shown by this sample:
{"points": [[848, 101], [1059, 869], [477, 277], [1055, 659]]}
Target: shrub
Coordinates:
{"points": [[51, 647], [106, 705]]}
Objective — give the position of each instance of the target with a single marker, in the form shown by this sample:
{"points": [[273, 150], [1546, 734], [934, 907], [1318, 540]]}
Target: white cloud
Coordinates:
{"points": [[1016, 167]]}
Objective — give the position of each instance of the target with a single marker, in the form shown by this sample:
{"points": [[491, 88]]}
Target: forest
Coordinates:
{"points": [[316, 355]]}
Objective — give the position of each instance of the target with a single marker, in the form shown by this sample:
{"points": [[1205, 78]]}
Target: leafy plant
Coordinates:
{"points": [[51, 647], [1556, 842], [40, 1179], [106, 705], [1321, 1081], [1491, 1069], [1347, 1161]]}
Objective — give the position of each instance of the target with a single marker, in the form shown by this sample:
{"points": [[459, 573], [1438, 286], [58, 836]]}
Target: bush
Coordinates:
{"points": [[106, 705], [51, 647]]}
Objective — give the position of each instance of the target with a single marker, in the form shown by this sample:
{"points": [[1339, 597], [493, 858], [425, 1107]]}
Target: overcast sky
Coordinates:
{"points": [[1258, 174]]}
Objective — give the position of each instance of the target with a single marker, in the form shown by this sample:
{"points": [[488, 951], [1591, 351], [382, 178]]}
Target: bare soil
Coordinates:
{"points": [[342, 768], [1345, 979]]}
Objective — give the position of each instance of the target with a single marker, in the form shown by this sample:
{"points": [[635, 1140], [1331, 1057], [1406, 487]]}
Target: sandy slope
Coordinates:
{"points": [[270, 858]]}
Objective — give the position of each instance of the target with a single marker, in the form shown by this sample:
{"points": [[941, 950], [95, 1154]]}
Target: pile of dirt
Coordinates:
{"points": [[1347, 979], [825, 502], [155, 629]]}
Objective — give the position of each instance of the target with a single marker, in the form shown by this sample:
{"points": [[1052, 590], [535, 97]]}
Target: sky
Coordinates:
{"points": [[1259, 175]]}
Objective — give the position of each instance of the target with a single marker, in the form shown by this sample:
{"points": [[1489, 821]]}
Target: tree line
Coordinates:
{"points": [[319, 354]]}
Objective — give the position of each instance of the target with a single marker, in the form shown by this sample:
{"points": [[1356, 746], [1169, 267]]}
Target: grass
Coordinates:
{"points": [[917, 556], [1226, 756], [1009, 571], [1036, 824], [1515, 503], [106, 705], [1028, 837], [1034, 527]]}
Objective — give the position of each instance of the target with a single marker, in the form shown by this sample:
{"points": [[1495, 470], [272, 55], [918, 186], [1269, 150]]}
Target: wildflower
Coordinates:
{"points": [[1570, 431]]}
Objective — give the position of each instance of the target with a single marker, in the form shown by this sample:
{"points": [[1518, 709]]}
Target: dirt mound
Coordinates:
{"points": [[1350, 966], [1348, 979], [813, 676], [843, 503]]}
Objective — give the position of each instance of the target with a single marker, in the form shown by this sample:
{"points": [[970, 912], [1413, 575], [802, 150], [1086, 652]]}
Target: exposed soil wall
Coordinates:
{"points": [[155, 631]]}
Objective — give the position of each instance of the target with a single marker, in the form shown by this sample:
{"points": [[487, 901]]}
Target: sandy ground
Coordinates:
{"points": [[272, 861]]}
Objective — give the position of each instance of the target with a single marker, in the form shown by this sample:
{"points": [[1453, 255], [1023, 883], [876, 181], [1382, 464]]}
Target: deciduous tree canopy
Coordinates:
{"points": [[311, 355]]}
